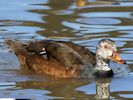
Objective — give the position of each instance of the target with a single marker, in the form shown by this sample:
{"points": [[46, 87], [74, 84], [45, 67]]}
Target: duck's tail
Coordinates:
{"points": [[20, 50], [16, 45]]}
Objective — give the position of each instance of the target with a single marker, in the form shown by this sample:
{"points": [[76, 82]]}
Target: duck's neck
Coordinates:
{"points": [[102, 68], [101, 64]]}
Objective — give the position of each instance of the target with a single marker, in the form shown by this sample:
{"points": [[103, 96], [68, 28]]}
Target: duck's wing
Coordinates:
{"points": [[66, 55], [59, 52], [38, 47], [87, 55], [64, 47]]}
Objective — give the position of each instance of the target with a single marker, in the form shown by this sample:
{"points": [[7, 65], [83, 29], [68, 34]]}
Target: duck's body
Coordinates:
{"points": [[58, 58]]}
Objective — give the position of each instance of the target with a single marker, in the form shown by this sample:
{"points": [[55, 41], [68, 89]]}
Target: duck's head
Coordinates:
{"points": [[106, 51]]}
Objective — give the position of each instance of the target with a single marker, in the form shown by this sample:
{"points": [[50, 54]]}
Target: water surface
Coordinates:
{"points": [[81, 21]]}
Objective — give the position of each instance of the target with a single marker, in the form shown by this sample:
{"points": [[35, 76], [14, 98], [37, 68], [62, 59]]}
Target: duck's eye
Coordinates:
{"points": [[105, 46]]}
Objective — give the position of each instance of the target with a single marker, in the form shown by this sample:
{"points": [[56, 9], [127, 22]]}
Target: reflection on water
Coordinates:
{"points": [[106, 88], [70, 89], [82, 21]]}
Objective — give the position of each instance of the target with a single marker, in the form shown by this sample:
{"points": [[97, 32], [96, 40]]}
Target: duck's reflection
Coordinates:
{"points": [[103, 89], [68, 88]]}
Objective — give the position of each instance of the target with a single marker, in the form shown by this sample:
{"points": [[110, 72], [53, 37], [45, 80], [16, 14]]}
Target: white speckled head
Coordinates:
{"points": [[105, 49]]}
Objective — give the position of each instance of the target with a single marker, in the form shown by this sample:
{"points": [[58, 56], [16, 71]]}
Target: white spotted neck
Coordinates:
{"points": [[101, 65]]}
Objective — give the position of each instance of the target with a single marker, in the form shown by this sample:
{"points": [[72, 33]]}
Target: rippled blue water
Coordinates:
{"points": [[82, 21]]}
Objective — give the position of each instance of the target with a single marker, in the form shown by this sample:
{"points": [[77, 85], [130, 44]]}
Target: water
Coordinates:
{"points": [[82, 21]]}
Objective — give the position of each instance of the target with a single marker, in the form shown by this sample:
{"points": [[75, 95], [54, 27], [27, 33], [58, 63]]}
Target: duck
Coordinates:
{"points": [[65, 59]]}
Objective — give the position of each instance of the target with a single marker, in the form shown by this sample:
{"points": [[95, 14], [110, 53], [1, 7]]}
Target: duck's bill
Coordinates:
{"points": [[116, 58]]}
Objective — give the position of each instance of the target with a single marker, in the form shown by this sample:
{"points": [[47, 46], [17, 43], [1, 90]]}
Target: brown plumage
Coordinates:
{"points": [[64, 59], [55, 47]]}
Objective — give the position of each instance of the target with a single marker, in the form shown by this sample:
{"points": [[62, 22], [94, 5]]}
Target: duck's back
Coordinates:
{"points": [[87, 55], [53, 47]]}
